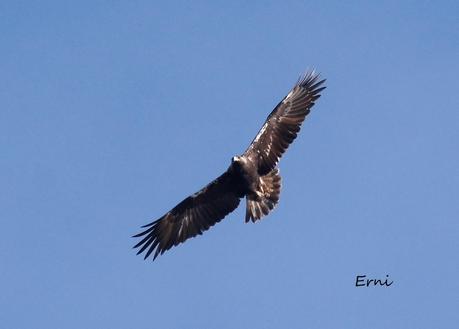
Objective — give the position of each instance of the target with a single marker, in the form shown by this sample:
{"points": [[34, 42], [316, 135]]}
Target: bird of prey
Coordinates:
{"points": [[253, 175]]}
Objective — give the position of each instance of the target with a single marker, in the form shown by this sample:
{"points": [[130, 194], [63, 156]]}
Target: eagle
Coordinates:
{"points": [[253, 175]]}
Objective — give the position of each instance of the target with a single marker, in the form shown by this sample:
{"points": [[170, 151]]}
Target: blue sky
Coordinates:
{"points": [[114, 111]]}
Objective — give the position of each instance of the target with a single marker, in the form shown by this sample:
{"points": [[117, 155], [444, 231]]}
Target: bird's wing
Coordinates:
{"points": [[283, 124], [194, 215]]}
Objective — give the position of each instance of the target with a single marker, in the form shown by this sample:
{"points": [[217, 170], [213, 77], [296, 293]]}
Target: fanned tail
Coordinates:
{"points": [[267, 197]]}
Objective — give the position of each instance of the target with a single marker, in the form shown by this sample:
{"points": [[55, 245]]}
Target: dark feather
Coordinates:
{"points": [[194, 215], [283, 124], [253, 175]]}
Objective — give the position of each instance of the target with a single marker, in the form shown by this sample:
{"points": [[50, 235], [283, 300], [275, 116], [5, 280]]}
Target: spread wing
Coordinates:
{"points": [[283, 124], [194, 215]]}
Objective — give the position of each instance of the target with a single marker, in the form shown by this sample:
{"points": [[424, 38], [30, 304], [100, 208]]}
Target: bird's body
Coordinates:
{"points": [[245, 172], [253, 175], [262, 192]]}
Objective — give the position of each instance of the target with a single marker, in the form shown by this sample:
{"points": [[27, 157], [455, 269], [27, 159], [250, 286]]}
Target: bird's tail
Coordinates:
{"points": [[266, 198]]}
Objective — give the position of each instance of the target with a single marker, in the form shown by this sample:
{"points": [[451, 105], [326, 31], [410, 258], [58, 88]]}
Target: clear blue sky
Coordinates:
{"points": [[114, 111]]}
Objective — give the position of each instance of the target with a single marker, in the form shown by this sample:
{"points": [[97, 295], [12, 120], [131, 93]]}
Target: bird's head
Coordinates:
{"points": [[238, 162], [235, 159]]}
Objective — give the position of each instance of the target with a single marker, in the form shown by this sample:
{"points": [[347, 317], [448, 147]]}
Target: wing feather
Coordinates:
{"points": [[284, 122], [194, 215]]}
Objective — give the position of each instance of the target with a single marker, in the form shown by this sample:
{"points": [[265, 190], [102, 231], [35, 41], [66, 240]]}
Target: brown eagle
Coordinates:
{"points": [[253, 175]]}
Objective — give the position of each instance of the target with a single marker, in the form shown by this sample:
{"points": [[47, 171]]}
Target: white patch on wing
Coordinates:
{"points": [[262, 130], [289, 94], [268, 148], [180, 230]]}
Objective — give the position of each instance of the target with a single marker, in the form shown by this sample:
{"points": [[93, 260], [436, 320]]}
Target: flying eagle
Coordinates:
{"points": [[253, 175]]}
